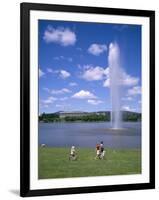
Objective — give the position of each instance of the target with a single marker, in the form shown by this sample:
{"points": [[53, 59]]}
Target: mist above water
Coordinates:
{"points": [[115, 86]]}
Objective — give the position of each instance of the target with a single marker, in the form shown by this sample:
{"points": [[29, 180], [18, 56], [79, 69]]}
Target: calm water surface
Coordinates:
{"points": [[88, 134]]}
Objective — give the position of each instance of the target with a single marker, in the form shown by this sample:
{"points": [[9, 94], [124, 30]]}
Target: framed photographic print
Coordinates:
{"points": [[87, 99]]}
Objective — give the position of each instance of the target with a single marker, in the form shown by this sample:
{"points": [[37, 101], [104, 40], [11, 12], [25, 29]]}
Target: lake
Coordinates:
{"points": [[83, 134]]}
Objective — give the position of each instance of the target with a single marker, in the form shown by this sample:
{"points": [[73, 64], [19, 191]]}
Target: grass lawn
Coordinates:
{"points": [[54, 163]]}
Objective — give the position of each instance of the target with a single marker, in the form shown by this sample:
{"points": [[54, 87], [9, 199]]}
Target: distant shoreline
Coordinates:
{"points": [[100, 116], [84, 122]]}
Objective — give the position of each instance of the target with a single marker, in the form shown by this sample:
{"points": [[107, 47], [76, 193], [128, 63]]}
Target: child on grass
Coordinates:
{"points": [[73, 154], [97, 151], [102, 151]]}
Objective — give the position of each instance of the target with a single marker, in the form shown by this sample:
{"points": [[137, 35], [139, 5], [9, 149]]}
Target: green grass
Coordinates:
{"points": [[54, 163]]}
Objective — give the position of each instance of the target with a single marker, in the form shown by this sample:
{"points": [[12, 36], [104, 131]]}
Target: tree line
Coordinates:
{"points": [[92, 117]]}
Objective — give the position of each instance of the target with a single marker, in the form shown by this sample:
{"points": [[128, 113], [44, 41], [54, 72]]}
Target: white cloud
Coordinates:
{"points": [[106, 71], [64, 74], [46, 89], [93, 73], [62, 36], [63, 98], [127, 98], [70, 59], [59, 105], [63, 106], [129, 80], [106, 83], [41, 73], [49, 100], [99, 73], [84, 94], [45, 106], [135, 90], [127, 108], [126, 79], [79, 66], [72, 84], [62, 91], [49, 70], [56, 58], [94, 102], [63, 58], [97, 49], [42, 105]]}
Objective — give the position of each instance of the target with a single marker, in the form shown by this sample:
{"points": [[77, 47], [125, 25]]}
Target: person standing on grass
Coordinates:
{"points": [[73, 154], [101, 147], [97, 151], [102, 151]]}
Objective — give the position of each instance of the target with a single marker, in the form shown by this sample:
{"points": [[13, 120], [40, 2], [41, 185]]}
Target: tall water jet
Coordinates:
{"points": [[115, 84]]}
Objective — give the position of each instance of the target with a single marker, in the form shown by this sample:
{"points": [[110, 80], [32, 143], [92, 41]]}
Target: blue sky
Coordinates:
{"points": [[74, 68]]}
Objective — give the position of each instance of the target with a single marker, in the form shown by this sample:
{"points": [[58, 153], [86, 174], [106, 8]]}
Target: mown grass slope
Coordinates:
{"points": [[54, 163]]}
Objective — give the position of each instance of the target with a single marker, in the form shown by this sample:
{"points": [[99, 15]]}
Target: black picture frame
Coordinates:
{"points": [[25, 9]]}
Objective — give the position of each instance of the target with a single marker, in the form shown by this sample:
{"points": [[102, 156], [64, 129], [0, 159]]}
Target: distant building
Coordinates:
{"points": [[63, 114]]}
